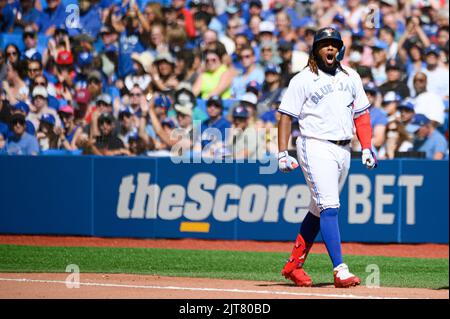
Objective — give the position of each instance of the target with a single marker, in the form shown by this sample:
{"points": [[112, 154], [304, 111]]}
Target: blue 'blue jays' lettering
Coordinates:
{"points": [[316, 96], [342, 88]]}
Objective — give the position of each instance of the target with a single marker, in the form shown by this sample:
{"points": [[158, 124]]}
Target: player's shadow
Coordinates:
{"points": [[288, 284]]}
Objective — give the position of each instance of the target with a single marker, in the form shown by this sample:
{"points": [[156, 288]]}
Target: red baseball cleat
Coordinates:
{"points": [[293, 268], [343, 278], [299, 277]]}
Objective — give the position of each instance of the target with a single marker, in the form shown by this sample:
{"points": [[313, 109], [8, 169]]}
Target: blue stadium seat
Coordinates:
{"points": [[16, 38]]}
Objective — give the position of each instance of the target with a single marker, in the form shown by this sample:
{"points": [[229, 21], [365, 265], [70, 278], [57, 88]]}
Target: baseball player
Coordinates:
{"points": [[329, 102]]}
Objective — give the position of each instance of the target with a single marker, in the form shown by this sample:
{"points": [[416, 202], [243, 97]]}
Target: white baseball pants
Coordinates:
{"points": [[325, 166]]}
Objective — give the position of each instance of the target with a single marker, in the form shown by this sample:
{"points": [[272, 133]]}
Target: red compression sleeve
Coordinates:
{"points": [[364, 130]]}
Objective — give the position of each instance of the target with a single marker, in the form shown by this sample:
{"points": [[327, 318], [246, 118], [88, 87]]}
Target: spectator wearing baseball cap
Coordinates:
{"points": [[164, 140], [269, 54], [107, 142], [84, 63], [406, 109], [64, 58], [29, 37], [71, 134], [95, 83], [437, 75], [266, 31], [46, 136], [427, 139], [212, 130], [127, 125], [164, 79], [40, 102], [426, 102], [394, 72], [390, 102], [378, 117], [23, 108], [103, 104], [250, 102], [20, 142], [65, 73], [379, 55], [271, 88], [82, 100]]}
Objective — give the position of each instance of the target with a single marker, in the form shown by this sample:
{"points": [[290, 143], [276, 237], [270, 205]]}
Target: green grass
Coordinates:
{"points": [[394, 272]]}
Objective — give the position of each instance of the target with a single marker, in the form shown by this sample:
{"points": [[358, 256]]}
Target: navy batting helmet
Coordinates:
{"points": [[329, 33]]}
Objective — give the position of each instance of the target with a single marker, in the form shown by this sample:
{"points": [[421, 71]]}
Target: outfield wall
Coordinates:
{"points": [[402, 201]]}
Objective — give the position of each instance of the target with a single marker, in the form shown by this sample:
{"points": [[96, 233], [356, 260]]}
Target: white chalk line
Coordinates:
{"points": [[244, 291]]}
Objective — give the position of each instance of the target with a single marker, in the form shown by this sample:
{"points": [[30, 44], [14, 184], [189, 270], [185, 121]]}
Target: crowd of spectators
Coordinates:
{"points": [[160, 78]]}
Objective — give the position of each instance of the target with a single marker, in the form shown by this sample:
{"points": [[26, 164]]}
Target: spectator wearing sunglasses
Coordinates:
{"points": [[21, 143], [71, 134], [216, 79], [30, 40], [213, 130], [253, 72], [24, 109], [34, 69], [108, 143], [40, 107], [127, 127], [428, 103]]}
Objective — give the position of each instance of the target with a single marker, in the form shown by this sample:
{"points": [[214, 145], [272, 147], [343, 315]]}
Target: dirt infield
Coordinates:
{"points": [[157, 287], [389, 250], [50, 285]]}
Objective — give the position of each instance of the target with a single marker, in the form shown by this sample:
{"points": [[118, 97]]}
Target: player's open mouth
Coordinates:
{"points": [[329, 58]]}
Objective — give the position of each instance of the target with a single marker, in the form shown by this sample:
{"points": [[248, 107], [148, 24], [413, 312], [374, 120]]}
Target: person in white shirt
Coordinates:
{"points": [[437, 76], [428, 103]]}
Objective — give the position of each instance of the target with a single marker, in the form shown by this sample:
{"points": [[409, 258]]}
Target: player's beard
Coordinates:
{"points": [[325, 66]]}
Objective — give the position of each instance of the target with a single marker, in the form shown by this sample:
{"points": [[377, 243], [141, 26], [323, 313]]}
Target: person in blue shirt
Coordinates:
{"points": [[7, 16], [252, 72], [27, 14], [129, 42], [378, 117], [21, 143], [90, 19], [213, 130], [427, 139], [51, 17], [23, 108]]}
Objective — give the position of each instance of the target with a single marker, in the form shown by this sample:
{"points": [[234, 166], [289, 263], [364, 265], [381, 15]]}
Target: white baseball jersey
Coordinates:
{"points": [[324, 104]]}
